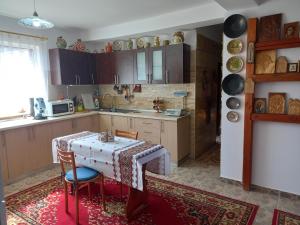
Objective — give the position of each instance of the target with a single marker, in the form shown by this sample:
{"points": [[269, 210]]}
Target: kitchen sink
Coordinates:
{"points": [[118, 110]]}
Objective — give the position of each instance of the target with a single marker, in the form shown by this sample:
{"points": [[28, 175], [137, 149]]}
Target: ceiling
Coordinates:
{"points": [[91, 14]]}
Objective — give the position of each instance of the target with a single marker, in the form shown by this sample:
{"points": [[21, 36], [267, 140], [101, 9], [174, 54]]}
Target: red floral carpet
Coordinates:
{"points": [[169, 203], [285, 218]]}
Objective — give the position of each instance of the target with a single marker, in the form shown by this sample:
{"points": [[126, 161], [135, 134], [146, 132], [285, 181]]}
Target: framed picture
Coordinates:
{"points": [[276, 103], [260, 105], [291, 30], [292, 67]]}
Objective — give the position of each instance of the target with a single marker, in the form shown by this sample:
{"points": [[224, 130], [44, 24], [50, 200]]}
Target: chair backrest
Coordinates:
{"points": [[67, 158], [127, 134]]}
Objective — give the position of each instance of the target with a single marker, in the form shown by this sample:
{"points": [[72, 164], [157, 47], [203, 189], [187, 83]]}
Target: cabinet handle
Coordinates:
{"points": [[112, 121], [130, 123], [115, 79], [75, 78], [148, 123], [167, 76], [93, 78], [147, 132], [79, 79], [150, 78]]}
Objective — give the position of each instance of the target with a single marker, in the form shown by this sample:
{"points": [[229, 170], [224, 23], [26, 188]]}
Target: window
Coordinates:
{"points": [[22, 75]]}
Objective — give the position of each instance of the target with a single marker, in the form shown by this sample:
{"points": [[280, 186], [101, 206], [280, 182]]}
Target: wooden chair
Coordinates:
{"points": [[78, 177], [127, 134]]}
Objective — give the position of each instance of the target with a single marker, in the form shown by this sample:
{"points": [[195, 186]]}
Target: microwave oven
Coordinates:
{"points": [[59, 108]]}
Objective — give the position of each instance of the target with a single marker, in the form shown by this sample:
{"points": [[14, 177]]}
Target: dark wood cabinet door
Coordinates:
{"points": [[81, 67], [157, 72], [177, 63], [105, 68], [70, 67], [124, 67], [67, 68], [141, 70]]}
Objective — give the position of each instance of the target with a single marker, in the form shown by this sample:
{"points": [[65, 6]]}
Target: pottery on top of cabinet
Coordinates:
{"points": [[79, 46], [60, 42]]}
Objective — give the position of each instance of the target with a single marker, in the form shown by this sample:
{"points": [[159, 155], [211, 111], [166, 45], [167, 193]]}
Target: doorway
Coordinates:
{"points": [[208, 90]]}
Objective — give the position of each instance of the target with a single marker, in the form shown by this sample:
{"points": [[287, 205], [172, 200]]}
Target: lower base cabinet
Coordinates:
{"points": [[26, 150], [173, 135]]}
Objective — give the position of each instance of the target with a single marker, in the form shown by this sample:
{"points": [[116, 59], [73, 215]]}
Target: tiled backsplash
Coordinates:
{"points": [[144, 99]]}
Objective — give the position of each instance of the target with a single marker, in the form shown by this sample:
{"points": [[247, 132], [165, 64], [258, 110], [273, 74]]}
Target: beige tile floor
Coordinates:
{"points": [[202, 173]]}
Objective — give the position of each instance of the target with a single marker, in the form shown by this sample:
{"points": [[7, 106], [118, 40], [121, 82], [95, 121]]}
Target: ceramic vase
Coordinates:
{"points": [[61, 43]]}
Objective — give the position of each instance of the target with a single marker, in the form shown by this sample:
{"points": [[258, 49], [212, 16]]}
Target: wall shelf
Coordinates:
{"points": [[281, 118], [276, 77], [292, 43]]}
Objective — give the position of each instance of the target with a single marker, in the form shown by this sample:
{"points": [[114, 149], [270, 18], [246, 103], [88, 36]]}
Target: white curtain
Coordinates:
{"points": [[23, 72]]}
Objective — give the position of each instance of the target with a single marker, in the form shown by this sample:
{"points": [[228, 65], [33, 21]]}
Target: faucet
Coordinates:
{"points": [[113, 102]]}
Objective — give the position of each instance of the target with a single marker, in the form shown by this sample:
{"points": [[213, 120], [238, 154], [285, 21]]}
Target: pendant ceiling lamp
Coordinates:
{"points": [[35, 22]]}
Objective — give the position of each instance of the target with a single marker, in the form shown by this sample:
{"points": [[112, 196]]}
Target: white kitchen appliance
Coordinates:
{"points": [[59, 108]]}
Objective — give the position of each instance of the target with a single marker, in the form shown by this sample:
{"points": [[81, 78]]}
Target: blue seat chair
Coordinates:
{"points": [[79, 177]]}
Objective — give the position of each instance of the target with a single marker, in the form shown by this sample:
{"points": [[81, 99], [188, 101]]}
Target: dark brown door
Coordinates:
{"points": [[141, 72], [124, 67], [105, 68], [156, 67]]}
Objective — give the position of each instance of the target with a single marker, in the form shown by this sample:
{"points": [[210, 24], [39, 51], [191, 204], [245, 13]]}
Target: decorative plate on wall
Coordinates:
{"points": [[235, 25], [233, 116], [235, 46], [235, 64], [233, 103], [233, 84]]}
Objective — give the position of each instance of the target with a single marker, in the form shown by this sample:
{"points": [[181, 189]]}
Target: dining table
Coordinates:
{"points": [[122, 159]]}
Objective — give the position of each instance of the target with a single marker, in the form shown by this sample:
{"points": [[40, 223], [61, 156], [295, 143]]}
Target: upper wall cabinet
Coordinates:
{"points": [[177, 64], [105, 65], [162, 65], [71, 67], [124, 67]]}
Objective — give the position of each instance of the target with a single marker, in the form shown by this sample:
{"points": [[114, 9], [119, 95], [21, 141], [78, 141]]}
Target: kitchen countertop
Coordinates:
{"points": [[18, 123]]}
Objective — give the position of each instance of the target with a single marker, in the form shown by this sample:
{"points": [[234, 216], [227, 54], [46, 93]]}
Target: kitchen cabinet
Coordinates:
{"points": [[61, 128], [123, 61], [157, 65], [19, 150], [141, 71], [104, 122], [162, 65], [105, 72], [3, 158], [148, 129], [175, 136], [88, 123], [71, 67], [177, 64], [119, 123]]}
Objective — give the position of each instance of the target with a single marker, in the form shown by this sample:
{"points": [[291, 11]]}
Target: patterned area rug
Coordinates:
{"points": [[285, 218], [168, 203]]}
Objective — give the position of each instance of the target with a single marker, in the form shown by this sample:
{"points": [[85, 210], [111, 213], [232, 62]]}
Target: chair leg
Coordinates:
{"points": [[77, 205], [102, 192], [66, 196]]}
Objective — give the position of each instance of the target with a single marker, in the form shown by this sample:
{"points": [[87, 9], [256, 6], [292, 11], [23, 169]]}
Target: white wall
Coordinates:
{"points": [[10, 24], [276, 150]]}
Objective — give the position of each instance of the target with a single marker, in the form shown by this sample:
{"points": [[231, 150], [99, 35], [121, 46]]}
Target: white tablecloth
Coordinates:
{"points": [[105, 157]]}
